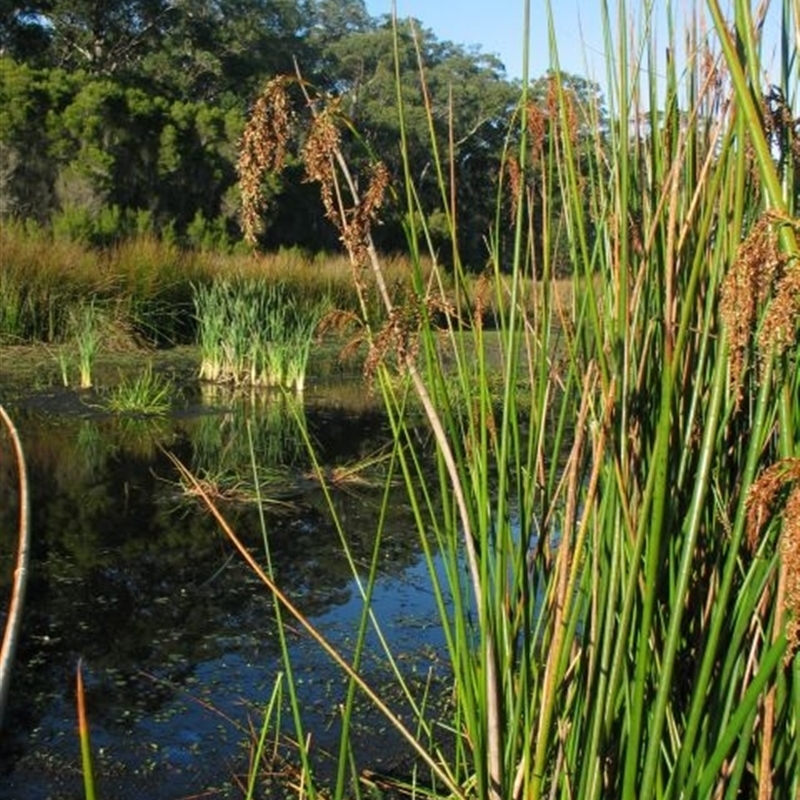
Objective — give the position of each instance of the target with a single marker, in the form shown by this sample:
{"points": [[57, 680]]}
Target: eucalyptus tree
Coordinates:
{"points": [[103, 37], [220, 51], [373, 71], [21, 34]]}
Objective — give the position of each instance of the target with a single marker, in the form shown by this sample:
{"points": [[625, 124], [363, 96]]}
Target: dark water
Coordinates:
{"points": [[176, 634]]}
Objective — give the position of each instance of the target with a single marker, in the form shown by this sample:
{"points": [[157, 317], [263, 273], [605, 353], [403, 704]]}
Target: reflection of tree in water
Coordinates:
{"points": [[222, 441], [136, 580]]}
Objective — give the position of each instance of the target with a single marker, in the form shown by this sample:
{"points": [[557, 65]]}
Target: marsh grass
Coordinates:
{"points": [[148, 393], [86, 321], [254, 333], [148, 284]]}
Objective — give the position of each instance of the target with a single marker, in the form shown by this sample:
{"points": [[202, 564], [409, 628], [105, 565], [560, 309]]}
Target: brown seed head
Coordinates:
{"points": [[357, 227], [263, 149], [762, 501], [318, 154], [746, 287], [780, 329], [537, 128], [790, 553], [515, 185]]}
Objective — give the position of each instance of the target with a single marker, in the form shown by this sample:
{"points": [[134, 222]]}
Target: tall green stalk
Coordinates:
{"points": [[613, 627]]}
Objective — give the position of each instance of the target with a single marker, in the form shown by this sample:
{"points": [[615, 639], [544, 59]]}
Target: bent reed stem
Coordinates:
{"points": [[16, 606]]}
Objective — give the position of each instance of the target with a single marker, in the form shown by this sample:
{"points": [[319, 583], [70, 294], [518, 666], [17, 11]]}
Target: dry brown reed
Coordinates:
{"points": [[746, 288], [263, 149], [763, 502]]}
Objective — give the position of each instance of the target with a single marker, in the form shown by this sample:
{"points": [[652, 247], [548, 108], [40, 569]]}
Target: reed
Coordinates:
{"points": [[617, 541], [253, 333], [87, 766], [85, 323]]}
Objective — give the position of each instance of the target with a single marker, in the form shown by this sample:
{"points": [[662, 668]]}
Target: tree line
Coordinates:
{"points": [[124, 117]]}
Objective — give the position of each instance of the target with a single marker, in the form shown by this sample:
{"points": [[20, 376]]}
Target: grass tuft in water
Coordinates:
{"points": [[147, 393], [85, 323]]}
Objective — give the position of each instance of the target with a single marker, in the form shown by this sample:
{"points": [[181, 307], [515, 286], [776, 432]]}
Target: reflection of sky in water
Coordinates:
{"points": [[178, 639], [193, 737]]}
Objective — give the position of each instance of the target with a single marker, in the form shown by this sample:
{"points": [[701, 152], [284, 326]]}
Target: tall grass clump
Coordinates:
{"points": [[86, 325], [40, 283], [147, 393], [615, 547], [254, 333]]}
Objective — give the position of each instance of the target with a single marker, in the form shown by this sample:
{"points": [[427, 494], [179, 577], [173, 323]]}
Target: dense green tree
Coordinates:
{"points": [[22, 36], [70, 142], [113, 108], [221, 51], [196, 157], [103, 37], [30, 100]]}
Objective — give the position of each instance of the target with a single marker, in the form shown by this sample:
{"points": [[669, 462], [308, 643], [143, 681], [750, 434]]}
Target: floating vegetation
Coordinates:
{"points": [[274, 488], [365, 473]]}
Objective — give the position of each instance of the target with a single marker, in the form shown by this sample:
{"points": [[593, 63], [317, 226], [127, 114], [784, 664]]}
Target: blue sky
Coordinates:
{"points": [[497, 26]]}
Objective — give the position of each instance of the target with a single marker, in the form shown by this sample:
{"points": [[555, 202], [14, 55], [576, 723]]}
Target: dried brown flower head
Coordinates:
{"points": [[537, 128], [515, 185], [483, 291], [745, 289], [780, 327], [764, 494], [790, 554], [318, 155], [356, 227], [263, 149], [398, 338], [762, 505]]}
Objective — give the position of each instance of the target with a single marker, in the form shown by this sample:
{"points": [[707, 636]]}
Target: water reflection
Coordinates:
{"points": [[177, 636]]}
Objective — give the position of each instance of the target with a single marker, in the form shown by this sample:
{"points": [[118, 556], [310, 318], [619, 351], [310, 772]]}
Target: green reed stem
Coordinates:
{"points": [[268, 576]]}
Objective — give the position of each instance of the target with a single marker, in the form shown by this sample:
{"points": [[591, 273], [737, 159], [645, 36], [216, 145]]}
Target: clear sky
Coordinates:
{"points": [[497, 27]]}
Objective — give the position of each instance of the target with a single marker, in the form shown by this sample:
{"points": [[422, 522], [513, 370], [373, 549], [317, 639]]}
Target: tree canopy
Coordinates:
{"points": [[138, 106]]}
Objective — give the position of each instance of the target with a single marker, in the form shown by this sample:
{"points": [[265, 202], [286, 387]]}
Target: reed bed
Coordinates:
{"points": [[253, 333], [146, 285], [615, 553]]}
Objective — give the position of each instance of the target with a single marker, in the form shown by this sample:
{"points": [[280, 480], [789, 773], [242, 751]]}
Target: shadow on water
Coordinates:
{"points": [[178, 637]]}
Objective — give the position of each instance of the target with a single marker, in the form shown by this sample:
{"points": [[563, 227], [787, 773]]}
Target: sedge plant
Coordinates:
{"points": [[148, 392], [252, 332], [85, 323], [613, 545]]}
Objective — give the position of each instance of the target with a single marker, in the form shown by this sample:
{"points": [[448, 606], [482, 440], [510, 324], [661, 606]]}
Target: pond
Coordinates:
{"points": [[176, 634]]}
